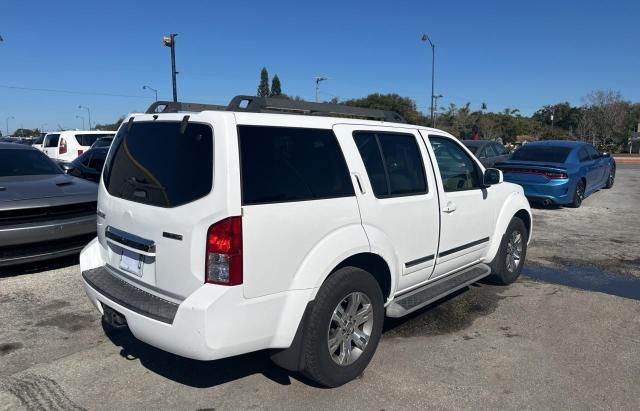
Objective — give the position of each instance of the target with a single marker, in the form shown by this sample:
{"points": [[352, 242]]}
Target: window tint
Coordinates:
{"points": [[593, 153], [27, 162], [482, 152], [550, 154], [491, 151], [500, 149], [583, 155], [88, 139], [458, 171], [52, 140], [393, 163], [85, 158], [473, 149], [161, 164], [281, 164]]}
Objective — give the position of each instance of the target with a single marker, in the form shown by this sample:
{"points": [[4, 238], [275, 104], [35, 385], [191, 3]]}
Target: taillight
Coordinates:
{"points": [[80, 152], [62, 149], [554, 176], [223, 263]]}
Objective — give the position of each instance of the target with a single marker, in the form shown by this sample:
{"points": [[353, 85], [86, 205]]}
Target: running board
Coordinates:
{"points": [[434, 291]]}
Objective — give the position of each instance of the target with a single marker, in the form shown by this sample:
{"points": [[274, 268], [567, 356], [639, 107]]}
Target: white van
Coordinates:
{"points": [[226, 231], [68, 145]]}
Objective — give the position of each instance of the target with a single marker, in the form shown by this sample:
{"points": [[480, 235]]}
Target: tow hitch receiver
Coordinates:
{"points": [[113, 318]]}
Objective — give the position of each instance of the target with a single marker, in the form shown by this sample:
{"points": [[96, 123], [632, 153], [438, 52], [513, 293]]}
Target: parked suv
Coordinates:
{"points": [[223, 231], [69, 145]]}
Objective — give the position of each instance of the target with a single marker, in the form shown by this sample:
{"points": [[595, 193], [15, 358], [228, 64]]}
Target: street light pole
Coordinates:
{"points": [[152, 89], [170, 41], [435, 112], [9, 118], [433, 74], [89, 113], [81, 118], [318, 80]]}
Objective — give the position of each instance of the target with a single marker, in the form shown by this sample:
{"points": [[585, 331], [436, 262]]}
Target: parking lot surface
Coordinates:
{"points": [[565, 335]]}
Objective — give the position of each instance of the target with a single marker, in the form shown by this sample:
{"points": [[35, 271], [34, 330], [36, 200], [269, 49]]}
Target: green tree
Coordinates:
{"points": [[110, 127], [393, 102], [263, 87], [276, 88]]}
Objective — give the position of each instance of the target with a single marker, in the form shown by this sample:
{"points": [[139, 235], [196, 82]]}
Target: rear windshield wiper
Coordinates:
{"points": [[135, 182]]}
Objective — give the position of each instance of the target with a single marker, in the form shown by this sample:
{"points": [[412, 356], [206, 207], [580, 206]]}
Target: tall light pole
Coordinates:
{"points": [[170, 41], [553, 112], [435, 112], [9, 118], [89, 113], [152, 89], [81, 118], [318, 80], [426, 38]]}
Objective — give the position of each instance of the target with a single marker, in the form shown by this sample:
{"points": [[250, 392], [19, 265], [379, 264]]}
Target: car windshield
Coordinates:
{"points": [[102, 142], [25, 163], [550, 154], [473, 149]]}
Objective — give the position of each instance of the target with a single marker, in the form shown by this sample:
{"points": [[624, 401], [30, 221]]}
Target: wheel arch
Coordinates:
{"points": [[516, 205]]}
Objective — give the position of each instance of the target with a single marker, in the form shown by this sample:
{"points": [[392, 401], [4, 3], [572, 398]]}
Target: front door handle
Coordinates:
{"points": [[449, 208]]}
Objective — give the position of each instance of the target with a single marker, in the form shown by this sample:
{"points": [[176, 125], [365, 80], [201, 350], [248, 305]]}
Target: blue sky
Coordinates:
{"points": [[506, 53]]}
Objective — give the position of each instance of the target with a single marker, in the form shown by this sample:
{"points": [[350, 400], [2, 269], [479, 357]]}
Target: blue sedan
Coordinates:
{"points": [[559, 172]]}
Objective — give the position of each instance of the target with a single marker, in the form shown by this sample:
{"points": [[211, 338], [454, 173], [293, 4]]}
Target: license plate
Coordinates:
{"points": [[131, 262]]}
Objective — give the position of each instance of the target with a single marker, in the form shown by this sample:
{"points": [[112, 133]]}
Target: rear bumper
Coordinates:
{"points": [[40, 241], [213, 322], [555, 191]]}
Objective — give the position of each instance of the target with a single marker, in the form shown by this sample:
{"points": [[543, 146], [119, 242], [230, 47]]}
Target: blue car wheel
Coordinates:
{"points": [[578, 195]]}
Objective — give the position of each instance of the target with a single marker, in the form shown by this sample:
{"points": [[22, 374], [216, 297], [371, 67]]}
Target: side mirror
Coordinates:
{"points": [[606, 155], [492, 176]]}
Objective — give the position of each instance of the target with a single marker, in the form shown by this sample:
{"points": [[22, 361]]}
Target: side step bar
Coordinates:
{"points": [[434, 291]]}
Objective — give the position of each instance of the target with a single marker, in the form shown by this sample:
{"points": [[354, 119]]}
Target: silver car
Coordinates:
{"points": [[44, 213]]}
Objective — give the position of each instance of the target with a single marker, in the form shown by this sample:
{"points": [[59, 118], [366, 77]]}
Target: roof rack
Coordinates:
{"points": [[253, 104]]}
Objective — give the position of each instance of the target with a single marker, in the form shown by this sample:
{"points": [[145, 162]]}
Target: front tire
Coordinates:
{"points": [[507, 265], [344, 327], [612, 177]]}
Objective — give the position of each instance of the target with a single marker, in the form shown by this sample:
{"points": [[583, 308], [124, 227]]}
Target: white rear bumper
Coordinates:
{"points": [[213, 322]]}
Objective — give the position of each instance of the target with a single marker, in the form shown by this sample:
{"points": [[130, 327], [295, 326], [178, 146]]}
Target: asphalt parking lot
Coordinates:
{"points": [[565, 335]]}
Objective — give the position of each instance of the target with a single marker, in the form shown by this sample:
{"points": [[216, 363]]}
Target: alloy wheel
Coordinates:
{"points": [[514, 251], [350, 328]]}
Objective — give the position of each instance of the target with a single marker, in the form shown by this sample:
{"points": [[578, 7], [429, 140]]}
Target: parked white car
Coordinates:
{"points": [[222, 232], [69, 145]]}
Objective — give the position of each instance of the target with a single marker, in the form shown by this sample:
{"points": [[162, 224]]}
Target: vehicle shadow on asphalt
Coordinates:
{"points": [[39, 266], [454, 312], [199, 374]]}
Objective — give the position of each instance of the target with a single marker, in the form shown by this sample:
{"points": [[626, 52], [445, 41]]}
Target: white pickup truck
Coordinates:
{"points": [[226, 230]]}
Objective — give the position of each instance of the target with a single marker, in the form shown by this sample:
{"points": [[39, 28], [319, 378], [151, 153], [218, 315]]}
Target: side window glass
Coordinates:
{"points": [[393, 162], [458, 171], [85, 159], [482, 153], [372, 158], [282, 164], [583, 155], [593, 153], [491, 150], [501, 150]]}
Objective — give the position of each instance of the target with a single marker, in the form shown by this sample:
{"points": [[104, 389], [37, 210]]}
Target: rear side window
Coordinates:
{"points": [[281, 164], [52, 140], [161, 163], [88, 139], [583, 155], [393, 163]]}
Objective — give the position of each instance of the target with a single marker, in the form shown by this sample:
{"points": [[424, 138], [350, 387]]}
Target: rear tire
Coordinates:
{"points": [[612, 177], [344, 327], [578, 194], [507, 265]]}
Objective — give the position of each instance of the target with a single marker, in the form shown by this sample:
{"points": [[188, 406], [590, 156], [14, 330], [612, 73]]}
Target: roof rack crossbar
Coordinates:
{"points": [[255, 104]]}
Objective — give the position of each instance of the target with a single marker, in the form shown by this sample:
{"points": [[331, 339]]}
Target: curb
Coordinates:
{"points": [[627, 160]]}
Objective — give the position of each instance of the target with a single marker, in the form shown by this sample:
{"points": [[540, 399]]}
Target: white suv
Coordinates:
{"points": [[226, 231], [69, 145]]}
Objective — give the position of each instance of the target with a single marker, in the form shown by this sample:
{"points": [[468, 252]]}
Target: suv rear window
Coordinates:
{"points": [[281, 164], [52, 140], [88, 139], [154, 163]]}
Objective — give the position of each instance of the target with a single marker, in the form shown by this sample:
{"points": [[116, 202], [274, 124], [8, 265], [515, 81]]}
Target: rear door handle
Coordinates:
{"points": [[449, 208]]}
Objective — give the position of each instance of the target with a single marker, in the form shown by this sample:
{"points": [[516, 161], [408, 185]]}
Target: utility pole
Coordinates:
{"points": [[433, 74], [553, 112], [88, 113], [318, 80], [170, 41]]}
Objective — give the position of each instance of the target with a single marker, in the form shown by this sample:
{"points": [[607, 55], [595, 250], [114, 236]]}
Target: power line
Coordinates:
{"points": [[76, 92]]}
